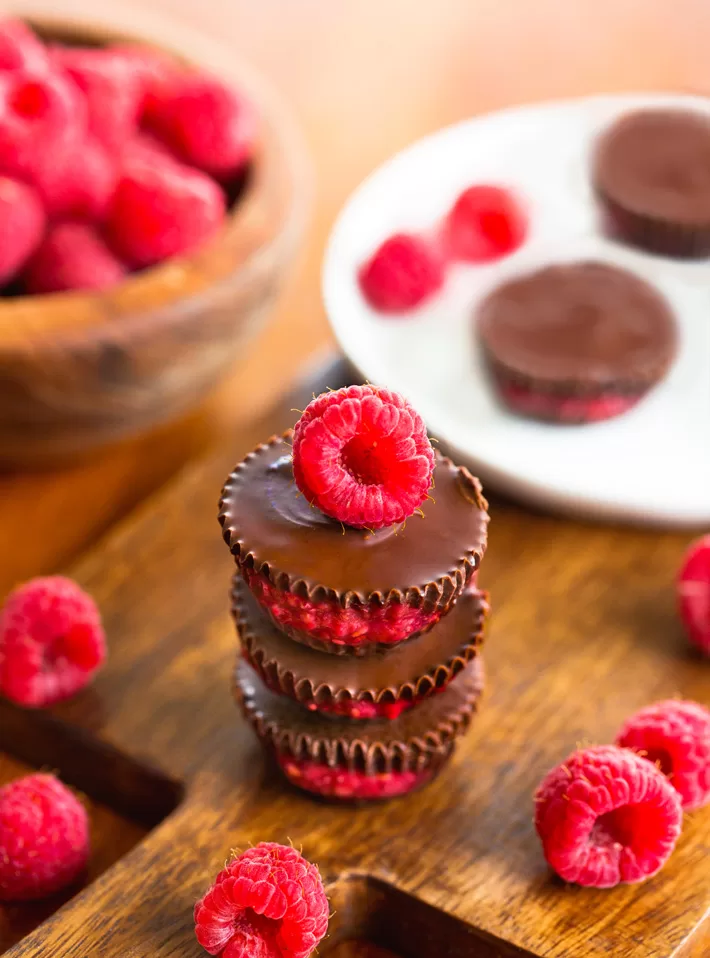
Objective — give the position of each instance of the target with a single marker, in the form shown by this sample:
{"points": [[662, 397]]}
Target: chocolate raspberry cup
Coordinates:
{"points": [[344, 760], [346, 590], [374, 686], [576, 343], [651, 172]]}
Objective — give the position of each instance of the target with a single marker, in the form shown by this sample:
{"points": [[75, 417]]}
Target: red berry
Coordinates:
{"points": [[269, 902], [19, 48], [146, 148], [83, 187], [206, 123], [44, 838], [51, 642], [72, 256], [111, 86], [694, 593], [675, 736], [607, 816], [362, 456], [485, 223], [23, 221], [162, 209], [42, 117], [154, 68], [403, 272]]}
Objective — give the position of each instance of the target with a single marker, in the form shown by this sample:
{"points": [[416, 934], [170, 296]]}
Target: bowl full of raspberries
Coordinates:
{"points": [[151, 202]]}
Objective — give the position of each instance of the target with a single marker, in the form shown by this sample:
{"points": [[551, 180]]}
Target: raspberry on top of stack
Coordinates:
{"points": [[353, 539]]}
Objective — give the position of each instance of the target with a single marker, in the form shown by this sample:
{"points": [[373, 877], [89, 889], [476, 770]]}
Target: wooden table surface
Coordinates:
{"points": [[364, 77]]}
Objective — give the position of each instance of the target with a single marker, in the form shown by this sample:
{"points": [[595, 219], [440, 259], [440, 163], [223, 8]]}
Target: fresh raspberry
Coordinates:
{"points": [[268, 902], [346, 785], [23, 220], [51, 642], [485, 223], [675, 736], [606, 816], [362, 456], [146, 148], [694, 593], [83, 187], [20, 49], [206, 123], [112, 88], [44, 838], [402, 273], [42, 118], [154, 68], [161, 210], [72, 256]]}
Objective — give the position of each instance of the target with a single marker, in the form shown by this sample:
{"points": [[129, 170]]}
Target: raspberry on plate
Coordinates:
{"points": [[268, 902], [362, 455], [162, 209], [675, 736], [19, 47], [606, 816], [83, 186], [23, 221], [204, 122], [51, 642], [402, 273], [485, 223], [72, 256], [44, 838], [694, 593]]}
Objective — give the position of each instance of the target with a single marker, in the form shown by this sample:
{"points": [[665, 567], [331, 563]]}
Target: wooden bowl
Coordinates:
{"points": [[78, 370]]}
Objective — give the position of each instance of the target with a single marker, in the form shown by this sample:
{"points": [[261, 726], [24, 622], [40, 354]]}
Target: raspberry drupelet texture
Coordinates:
{"points": [[44, 838], [485, 223], [694, 593], [675, 736], [51, 642], [362, 456], [403, 272], [268, 902], [606, 816], [343, 784]]}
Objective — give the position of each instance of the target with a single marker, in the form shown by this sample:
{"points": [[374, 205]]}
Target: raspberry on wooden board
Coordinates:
{"points": [[694, 594]]}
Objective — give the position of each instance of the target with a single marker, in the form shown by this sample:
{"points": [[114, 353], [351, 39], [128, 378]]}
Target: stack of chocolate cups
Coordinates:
{"points": [[360, 659]]}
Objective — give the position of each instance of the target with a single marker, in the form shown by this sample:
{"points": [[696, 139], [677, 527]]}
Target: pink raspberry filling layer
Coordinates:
{"points": [[341, 783], [328, 622], [572, 409]]}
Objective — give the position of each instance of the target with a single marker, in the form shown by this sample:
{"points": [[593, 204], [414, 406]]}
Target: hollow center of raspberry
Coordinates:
{"points": [[30, 100], [627, 826], [254, 937], [369, 460]]}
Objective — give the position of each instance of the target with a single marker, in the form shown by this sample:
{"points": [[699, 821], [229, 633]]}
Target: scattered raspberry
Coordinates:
{"points": [[268, 902], [72, 256], [362, 456], [694, 593], [111, 86], [162, 209], [20, 49], [42, 116], [83, 187], [51, 642], [204, 122], [485, 223], [403, 272], [675, 736], [607, 816], [22, 219], [44, 838]]}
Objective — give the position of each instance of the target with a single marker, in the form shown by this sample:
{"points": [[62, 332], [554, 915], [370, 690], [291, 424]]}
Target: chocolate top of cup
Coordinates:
{"points": [[270, 527], [409, 670], [585, 326], [656, 163]]}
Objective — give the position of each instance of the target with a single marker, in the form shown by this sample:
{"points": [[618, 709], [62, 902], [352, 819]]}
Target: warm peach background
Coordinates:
{"points": [[364, 78]]}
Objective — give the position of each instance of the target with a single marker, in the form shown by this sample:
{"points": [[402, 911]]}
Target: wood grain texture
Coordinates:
{"points": [[583, 631]]}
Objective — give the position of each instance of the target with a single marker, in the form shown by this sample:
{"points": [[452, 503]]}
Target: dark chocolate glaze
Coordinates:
{"points": [[657, 163], [409, 670], [580, 327], [269, 526], [402, 744]]}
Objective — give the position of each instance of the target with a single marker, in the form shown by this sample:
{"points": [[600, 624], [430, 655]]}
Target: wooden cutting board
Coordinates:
{"points": [[583, 632]]}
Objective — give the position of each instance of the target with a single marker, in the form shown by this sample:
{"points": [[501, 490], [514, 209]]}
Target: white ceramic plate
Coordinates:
{"points": [[653, 463]]}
